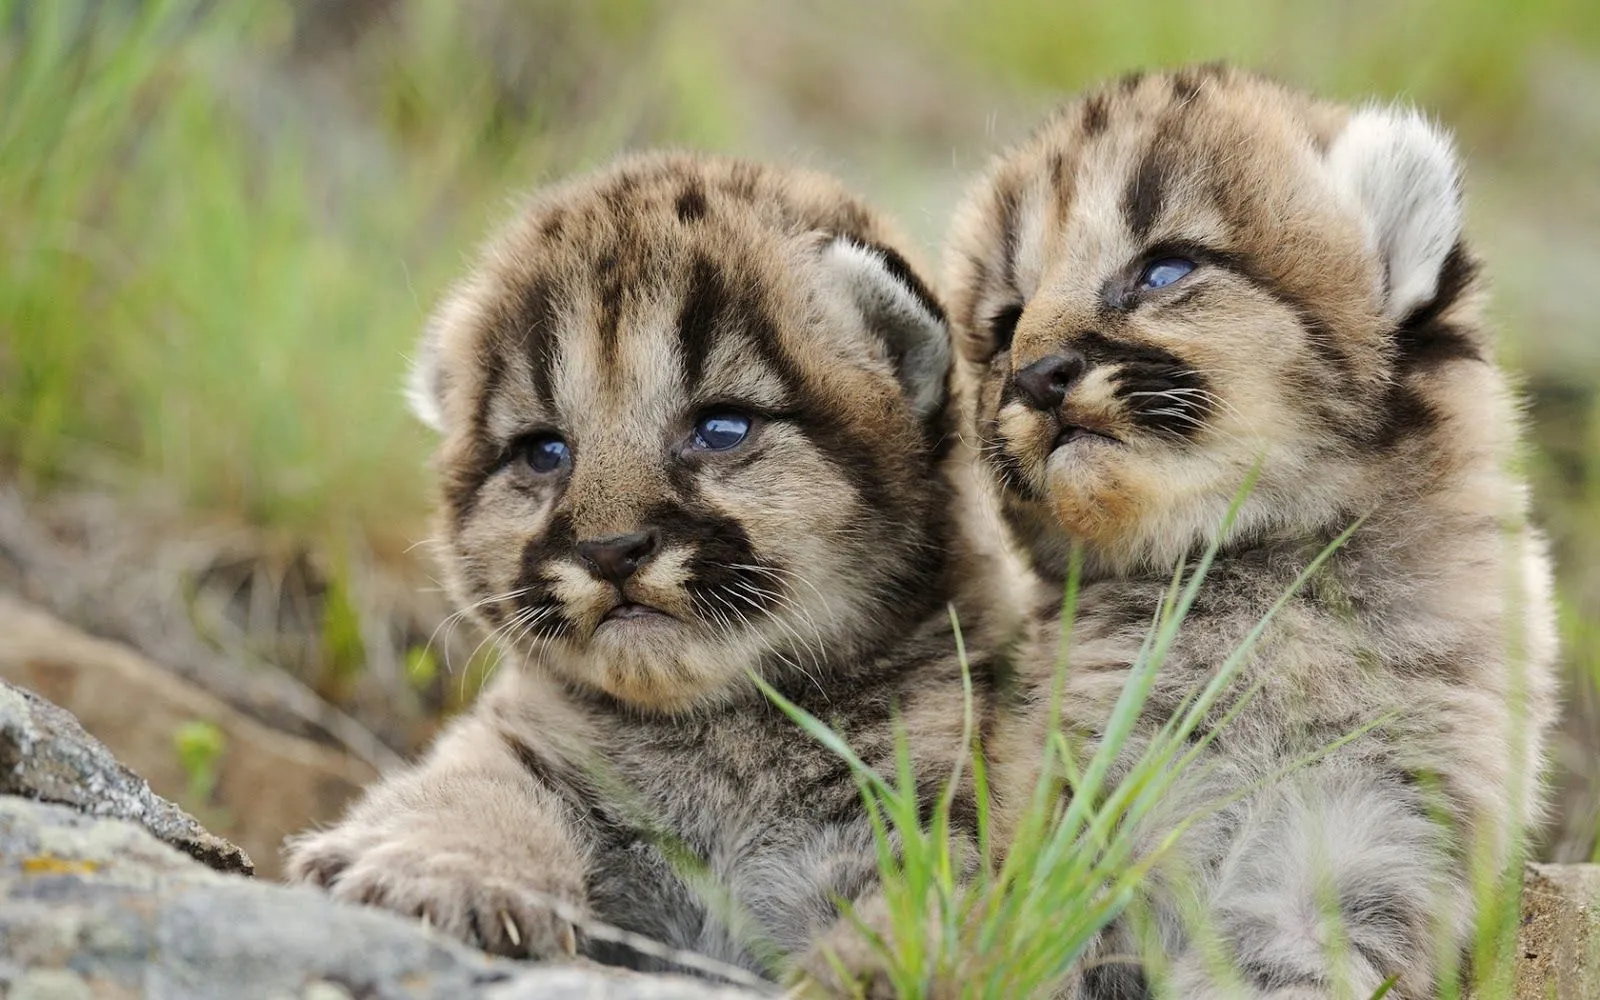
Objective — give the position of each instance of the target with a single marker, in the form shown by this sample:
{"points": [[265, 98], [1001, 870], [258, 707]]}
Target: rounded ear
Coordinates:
{"points": [[898, 309], [422, 382], [1402, 172], [426, 382]]}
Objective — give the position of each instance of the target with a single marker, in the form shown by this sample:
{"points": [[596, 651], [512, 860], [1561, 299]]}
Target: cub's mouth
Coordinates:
{"points": [[630, 611], [1079, 434], [1076, 429]]}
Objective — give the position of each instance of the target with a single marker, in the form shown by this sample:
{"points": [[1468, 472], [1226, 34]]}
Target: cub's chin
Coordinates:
{"points": [[1130, 502], [654, 662], [1092, 488]]}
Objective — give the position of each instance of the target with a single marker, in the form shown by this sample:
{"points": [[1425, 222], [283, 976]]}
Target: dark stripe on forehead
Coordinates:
{"points": [[1143, 198], [609, 297], [704, 304], [618, 195], [743, 181], [536, 331], [757, 327], [1187, 84], [1095, 115], [973, 293], [1008, 209], [494, 373], [463, 478], [691, 203]]}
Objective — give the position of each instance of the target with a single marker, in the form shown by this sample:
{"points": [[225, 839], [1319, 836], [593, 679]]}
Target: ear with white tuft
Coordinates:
{"points": [[425, 384], [422, 385], [898, 309], [1401, 169]]}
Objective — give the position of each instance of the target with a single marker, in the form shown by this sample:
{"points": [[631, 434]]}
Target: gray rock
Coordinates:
{"points": [[46, 755], [1558, 944], [98, 907], [265, 784]]}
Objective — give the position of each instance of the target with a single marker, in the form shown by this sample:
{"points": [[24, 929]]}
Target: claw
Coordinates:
{"points": [[511, 929], [569, 941]]}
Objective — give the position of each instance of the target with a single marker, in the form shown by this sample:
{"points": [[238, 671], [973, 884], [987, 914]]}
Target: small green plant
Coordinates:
{"points": [[422, 668], [344, 652], [200, 746]]}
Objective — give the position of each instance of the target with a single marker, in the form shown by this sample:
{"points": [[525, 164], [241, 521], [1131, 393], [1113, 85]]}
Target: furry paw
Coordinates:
{"points": [[849, 960], [468, 893]]}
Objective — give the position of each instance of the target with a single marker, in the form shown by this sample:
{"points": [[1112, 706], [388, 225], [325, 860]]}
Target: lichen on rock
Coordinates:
{"points": [[46, 755], [114, 912]]}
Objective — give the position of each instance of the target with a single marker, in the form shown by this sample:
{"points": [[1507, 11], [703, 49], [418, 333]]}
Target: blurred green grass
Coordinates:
{"points": [[221, 225], [218, 247], [1469, 61], [216, 263]]}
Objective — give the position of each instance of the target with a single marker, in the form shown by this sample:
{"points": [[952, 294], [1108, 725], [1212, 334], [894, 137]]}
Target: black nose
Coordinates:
{"points": [[1045, 382], [619, 557]]}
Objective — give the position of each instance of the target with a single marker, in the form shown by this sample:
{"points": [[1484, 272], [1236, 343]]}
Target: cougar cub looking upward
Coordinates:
{"points": [[693, 418], [1181, 276]]}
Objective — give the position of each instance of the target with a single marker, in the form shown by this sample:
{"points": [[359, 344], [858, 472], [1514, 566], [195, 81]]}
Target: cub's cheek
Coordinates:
{"points": [[581, 596], [664, 583], [1025, 435]]}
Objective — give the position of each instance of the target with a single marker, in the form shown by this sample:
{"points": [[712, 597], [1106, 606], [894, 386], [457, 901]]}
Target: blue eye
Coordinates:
{"points": [[721, 430], [1164, 272], [546, 453]]}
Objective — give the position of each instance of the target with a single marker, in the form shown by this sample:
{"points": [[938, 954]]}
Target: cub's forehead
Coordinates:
{"points": [[1206, 144], [1206, 156], [663, 278], [646, 203]]}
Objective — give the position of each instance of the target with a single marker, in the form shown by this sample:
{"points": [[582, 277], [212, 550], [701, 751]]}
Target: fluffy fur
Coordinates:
{"points": [[1322, 322], [614, 314]]}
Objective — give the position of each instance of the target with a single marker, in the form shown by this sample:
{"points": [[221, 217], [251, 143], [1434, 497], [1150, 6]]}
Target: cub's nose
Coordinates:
{"points": [[619, 557], [1044, 383]]}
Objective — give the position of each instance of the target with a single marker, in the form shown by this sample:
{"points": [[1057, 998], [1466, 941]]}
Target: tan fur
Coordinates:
{"points": [[818, 554], [1285, 350]]}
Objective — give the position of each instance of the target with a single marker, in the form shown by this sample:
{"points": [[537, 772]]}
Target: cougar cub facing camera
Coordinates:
{"points": [[1177, 280], [693, 419]]}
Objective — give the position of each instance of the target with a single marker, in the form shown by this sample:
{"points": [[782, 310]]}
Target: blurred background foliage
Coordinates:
{"points": [[222, 223]]}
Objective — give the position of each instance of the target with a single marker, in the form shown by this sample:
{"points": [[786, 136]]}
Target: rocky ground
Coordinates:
{"points": [[109, 890]]}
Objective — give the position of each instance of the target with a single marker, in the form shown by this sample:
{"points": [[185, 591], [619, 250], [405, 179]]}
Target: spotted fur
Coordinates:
{"points": [[1330, 335], [820, 555]]}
